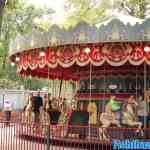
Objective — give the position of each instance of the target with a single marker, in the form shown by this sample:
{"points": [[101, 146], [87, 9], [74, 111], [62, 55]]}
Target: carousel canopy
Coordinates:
{"points": [[59, 53]]}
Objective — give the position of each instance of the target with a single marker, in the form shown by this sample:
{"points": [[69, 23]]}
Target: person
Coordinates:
{"points": [[37, 107], [7, 110], [142, 112], [114, 104], [116, 107]]}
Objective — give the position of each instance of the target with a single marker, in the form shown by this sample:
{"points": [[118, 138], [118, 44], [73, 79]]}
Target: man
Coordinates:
{"points": [[7, 111], [37, 105]]}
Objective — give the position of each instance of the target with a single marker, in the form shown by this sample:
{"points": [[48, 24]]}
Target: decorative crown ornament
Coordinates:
{"points": [[54, 40]]}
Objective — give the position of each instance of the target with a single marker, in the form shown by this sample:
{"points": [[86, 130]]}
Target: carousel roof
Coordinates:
{"points": [[118, 27], [60, 53]]}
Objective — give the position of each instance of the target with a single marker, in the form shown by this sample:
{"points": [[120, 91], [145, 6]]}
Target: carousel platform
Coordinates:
{"points": [[78, 137], [69, 142]]}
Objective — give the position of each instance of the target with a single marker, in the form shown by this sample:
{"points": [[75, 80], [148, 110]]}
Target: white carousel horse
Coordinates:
{"points": [[107, 118]]}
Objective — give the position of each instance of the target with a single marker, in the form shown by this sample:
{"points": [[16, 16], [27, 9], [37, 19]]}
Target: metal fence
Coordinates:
{"points": [[23, 136]]}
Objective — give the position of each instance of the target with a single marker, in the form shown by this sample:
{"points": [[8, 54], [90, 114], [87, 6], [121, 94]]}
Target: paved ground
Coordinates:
{"points": [[10, 141]]}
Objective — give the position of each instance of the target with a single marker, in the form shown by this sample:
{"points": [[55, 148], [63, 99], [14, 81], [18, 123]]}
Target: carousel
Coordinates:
{"points": [[109, 64]]}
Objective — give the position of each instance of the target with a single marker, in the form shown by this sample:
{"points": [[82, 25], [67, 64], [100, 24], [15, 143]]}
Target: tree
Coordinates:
{"points": [[2, 5], [17, 19], [136, 8], [90, 11], [94, 11]]}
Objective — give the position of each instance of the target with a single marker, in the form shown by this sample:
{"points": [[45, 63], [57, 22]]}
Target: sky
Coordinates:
{"points": [[56, 5]]}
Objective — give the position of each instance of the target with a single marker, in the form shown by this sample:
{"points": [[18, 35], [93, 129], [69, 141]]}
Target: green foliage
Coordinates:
{"points": [[18, 18], [90, 11], [138, 7], [94, 11]]}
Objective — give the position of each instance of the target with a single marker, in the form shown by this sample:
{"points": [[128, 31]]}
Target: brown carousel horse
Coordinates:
{"points": [[47, 107], [28, 109]]}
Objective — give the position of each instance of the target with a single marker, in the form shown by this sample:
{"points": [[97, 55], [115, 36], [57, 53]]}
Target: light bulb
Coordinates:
{"points": [[87, 50], [17, 59], [147, 49], [42, 54], [12, 64]]}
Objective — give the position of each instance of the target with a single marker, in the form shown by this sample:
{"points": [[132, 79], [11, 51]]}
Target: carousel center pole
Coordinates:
{"points": [[103, 102], [48, 126], [60, 86], [136, 88], [90, 98]]}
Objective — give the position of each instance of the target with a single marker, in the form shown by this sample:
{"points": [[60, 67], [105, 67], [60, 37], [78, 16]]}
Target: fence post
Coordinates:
{"points": [[48, 138]]}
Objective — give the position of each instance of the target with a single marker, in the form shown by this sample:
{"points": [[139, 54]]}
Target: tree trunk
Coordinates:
{"points": [[2, 5]]}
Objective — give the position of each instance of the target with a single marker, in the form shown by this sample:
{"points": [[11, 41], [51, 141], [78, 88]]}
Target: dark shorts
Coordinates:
{"points": [[7, 115], [36, 116]]}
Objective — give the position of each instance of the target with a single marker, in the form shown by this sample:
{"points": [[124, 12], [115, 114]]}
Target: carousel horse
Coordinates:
{"points": [[45, 118], [130, 117], [60, 101], [55, 103], [64, 118], [28, 109], [46, 109], [107, 119]]}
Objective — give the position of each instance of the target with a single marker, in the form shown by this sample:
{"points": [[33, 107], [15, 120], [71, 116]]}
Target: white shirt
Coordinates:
{"points": [[7, 106]]}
